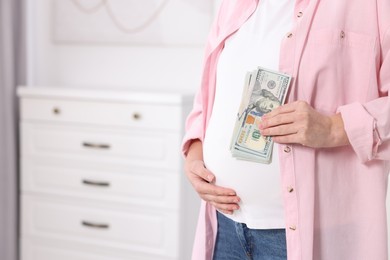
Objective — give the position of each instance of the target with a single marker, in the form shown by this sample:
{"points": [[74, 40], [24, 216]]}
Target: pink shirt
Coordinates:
{"points": [[339, 55]]}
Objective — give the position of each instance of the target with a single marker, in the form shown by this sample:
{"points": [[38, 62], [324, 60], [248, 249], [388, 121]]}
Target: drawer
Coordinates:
{"points": [[152, 116], [136, 186], [109, 226], [96, 146], [36, 249]]}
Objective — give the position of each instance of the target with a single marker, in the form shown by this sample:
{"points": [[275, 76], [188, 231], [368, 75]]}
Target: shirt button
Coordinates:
{"points": [[290, 189], [287, 149], [293, 228], [289, 35], [299, 14]]}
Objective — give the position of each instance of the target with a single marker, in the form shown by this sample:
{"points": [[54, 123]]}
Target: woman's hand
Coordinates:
{"points": [[299, 123], [203, 181]]}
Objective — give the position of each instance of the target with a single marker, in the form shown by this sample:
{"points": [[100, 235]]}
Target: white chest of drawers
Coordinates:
{"points": [[101, 176]]}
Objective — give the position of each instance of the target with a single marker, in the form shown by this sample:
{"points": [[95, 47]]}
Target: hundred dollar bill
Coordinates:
{"points": [[264, 90]]}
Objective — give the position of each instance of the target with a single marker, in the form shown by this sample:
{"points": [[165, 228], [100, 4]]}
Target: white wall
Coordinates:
{"points": [[119, 66]]}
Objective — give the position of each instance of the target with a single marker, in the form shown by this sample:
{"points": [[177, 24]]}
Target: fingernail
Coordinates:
{"points": [[210, 177], [232, 193]]}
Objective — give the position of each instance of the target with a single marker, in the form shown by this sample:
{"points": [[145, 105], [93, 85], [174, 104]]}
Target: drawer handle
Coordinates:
{"points": [[96, 183], [56, 111], [95, 225], [136, 116], [96, 146]]}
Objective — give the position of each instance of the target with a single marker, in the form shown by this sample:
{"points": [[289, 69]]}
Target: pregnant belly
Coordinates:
{"points": [[257, 185]]}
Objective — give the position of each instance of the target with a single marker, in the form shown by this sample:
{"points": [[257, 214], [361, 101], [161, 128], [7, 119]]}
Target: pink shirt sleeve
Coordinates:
{"points": [[194, 124], [368, 125]]}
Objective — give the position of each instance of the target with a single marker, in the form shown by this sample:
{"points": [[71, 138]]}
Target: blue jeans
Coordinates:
{"points": [[237, 241]]}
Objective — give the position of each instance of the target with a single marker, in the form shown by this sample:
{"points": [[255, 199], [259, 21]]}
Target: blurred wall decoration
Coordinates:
{"points": [[156, 44], [177, 22]]}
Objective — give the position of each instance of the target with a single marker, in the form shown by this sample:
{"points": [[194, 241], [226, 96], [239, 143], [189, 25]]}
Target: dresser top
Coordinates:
{"points": [[110, 95]]}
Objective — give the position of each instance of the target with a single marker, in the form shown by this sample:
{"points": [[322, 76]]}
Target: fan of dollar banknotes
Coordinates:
{"points": [[263, 91]]}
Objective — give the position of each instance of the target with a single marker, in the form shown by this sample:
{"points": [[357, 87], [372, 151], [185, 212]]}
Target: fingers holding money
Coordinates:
{"points": [[299, 123], [223, 199]]}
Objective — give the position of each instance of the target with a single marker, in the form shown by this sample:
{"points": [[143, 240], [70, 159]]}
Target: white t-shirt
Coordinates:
{"points": [[256, 43]]}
